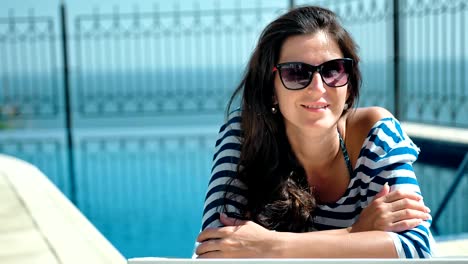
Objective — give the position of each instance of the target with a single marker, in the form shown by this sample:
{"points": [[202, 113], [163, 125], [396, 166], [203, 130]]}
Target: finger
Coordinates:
{"points": [[404, 225], [210, 233], [409, 204], [211, 254], [407, 214], [399, 194], [207, 246], [229, 221], [216, 233], [384, 191], [214, 254]]}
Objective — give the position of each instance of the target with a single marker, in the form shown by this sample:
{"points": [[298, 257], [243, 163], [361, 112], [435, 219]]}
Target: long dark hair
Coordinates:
{"points": [[278, 196]]}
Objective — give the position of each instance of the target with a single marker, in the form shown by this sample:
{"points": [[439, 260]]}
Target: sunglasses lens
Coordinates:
{"points": [[335, 73], [295, 75]]}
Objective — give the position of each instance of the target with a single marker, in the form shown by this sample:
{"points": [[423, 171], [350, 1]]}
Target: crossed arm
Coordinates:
{"points": [[391, 224], [367, 238]]}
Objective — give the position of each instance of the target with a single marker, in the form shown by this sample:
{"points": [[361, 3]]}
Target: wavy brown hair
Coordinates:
{"points": [[278, 196]]}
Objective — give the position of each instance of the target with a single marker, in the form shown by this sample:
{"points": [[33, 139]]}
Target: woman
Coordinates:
{"points": [[331, 181]]}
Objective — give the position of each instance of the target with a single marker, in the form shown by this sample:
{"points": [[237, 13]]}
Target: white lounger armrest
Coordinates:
{"points": [[38, 224]]}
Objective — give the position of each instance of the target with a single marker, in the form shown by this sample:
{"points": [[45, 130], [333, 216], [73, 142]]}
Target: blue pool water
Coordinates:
{"points": [[144, 189], [140, 177]]}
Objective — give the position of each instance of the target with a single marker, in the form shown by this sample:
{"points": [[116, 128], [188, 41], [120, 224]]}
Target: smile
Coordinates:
{"points": [[315, 106]]}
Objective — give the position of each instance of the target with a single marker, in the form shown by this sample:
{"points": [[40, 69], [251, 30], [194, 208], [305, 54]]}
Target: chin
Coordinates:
{"points": [[320, 124]]}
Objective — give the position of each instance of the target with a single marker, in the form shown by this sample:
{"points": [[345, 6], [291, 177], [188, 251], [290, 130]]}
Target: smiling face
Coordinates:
{"points": [[317, 106]]}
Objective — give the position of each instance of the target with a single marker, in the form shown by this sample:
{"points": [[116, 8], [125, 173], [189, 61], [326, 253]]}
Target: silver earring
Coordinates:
{"points": [[346, 106], [274, 110]]}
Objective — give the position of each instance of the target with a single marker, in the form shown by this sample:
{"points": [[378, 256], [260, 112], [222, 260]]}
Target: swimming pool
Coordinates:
{"points": [[144, 188]]}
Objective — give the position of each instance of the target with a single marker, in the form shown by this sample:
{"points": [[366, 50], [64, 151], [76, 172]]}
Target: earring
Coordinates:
{"points": [[346, 106], [274, 110]]}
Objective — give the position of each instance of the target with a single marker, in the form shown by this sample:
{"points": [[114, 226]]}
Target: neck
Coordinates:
{"points": [[315, 152]]}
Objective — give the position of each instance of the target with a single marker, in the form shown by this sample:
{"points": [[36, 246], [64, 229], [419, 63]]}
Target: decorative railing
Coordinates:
{"points": [[162, 62], [29, 81], [157, 62], [414, 56], [112, 74]]}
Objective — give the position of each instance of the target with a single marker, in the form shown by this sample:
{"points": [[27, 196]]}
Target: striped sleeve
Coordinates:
{"points": [[387, 156], [224, 169]]}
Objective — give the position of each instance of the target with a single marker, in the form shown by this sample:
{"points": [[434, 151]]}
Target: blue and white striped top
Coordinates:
{"points": [[387, 155]]}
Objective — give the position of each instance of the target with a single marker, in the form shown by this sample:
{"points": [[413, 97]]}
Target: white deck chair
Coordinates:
{"points": [[39, 225]]}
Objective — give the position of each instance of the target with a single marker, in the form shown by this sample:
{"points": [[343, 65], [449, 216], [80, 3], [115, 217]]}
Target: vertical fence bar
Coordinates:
{"points": [[396, 58], [67, 103], [450, 192], [291, 4]]}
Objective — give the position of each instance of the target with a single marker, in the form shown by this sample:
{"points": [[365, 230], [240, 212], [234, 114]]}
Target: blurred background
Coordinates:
{"points": [[119, 103]]}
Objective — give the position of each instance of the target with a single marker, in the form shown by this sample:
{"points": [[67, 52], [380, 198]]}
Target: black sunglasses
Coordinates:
{"points": [[298, 75]]}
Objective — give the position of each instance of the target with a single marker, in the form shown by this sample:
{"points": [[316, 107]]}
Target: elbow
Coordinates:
{"points": [[415, 243]]}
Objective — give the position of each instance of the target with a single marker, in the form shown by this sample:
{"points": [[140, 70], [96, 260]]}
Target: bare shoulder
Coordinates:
{"points": [[367, 116], [360, 121]]}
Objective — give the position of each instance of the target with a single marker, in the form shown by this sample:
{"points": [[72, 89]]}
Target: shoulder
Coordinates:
{"points": [[378, 130], [359, 123], [361, 120], [233, 120], [230, 128]]}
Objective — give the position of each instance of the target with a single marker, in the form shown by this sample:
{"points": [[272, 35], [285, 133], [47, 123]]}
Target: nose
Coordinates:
{"points": [[316, 84]]}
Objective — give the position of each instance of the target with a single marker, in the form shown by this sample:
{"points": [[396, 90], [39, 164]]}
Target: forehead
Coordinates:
{"points": [[310, 48]]}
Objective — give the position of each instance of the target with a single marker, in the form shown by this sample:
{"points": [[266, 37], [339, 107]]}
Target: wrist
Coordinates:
{"points": [[279, 244]]}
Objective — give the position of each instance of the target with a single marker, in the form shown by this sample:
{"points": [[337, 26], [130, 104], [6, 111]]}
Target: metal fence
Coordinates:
{"points": [[159, 62], [414, 56], [118, 107], [28, 55], [434, 57]]}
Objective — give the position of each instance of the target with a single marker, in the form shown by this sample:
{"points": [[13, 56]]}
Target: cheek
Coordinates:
{"points": [[338, 95], [285, 99]]}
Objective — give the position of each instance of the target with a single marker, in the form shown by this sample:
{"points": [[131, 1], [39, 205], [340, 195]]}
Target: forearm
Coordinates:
{"points": [[335, 244]]}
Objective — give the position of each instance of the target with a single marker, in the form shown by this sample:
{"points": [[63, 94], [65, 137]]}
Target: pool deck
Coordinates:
{"points": [[436, 133], [456, 247], [39, 225]]}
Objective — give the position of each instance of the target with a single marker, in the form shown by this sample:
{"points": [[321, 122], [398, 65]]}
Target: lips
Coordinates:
{"points": [[315, 106]]}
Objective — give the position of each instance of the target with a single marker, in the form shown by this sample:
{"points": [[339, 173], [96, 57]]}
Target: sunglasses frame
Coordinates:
{"points": [[314, 68]]}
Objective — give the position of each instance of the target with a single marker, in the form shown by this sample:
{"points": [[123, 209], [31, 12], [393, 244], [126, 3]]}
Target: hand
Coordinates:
{"points": [[238, 239], [395, 211]]}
